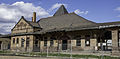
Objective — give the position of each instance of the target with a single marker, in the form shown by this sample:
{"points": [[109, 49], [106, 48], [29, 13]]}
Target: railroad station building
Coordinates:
{"points": [[64, 31]]}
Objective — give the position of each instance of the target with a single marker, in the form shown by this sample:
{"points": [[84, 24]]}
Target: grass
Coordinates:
{"points": [[4, 51], [61, 55], [75, 55]]}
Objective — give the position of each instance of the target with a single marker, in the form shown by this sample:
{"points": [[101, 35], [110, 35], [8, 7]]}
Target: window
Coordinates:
{"points": [[36, 43], [13, 40], [45, 42], [51, 42], [22, 42], [17, 41], [87, 40], [78, 40], [78, 43], [119, 40], [27, 41]]}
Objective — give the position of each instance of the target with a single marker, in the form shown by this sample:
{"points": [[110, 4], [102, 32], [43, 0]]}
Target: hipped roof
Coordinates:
{"points": [[64, 21]]}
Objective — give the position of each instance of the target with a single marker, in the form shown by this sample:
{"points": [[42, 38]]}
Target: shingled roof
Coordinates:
{"points": [[33, 24], [64, 21]]}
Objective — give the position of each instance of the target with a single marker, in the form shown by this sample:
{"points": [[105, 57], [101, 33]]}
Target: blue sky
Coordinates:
{"points": [[94, 10]]}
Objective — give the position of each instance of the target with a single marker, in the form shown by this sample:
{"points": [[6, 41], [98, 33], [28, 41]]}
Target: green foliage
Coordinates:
{"points": [[4, 51]]}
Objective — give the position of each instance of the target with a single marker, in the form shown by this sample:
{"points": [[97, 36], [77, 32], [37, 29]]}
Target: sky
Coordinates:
{"points": [[95, 10]]}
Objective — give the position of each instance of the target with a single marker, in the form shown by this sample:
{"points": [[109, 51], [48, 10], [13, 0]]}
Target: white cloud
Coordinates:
{"points": [[117, 9], [11, 13], [57, 5], [5, 27], [80, 12], [118, 16]]}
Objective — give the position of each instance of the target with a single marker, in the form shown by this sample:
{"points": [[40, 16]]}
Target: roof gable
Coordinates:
{"points": [[61, 11], [23, 20], [32, 24]]}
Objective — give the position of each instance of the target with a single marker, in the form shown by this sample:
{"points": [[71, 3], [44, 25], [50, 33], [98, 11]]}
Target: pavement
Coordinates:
{"points": [[20, 57]]}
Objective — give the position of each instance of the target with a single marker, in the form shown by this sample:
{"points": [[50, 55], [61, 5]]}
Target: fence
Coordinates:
{"points": [[61, 51]]}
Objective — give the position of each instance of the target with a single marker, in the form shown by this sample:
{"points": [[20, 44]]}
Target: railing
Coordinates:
{"points": [[62, 51]]}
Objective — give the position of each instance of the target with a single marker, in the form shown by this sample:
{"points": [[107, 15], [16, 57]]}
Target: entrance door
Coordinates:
{"points": [[64, 44], [0, 45]]}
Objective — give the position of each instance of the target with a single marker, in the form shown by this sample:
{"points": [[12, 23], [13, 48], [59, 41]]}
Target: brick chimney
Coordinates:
{"points": [[34, 17]]}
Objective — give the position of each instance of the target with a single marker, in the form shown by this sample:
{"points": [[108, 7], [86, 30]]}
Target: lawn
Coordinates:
{"points": [[58, 55]]}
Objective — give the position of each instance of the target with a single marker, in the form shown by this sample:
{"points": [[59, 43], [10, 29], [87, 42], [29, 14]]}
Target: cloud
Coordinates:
{"points": [[57, 5], [118, 16], [81, 12], [5, 27], [117, 9], [9, 14]]}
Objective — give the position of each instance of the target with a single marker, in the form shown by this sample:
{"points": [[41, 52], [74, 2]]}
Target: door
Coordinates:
{"points": [[64, 44]]}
